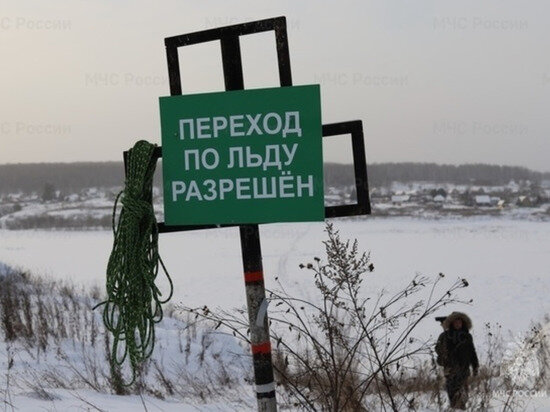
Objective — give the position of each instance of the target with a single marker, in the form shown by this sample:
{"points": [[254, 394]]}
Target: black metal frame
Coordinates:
{"points": [[362, 206], [231, 51], [249, 233], [233, 75]]}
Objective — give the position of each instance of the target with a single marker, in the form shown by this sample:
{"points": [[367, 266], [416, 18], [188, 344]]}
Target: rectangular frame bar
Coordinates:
{"points": [[229, 39], [362, 206]]}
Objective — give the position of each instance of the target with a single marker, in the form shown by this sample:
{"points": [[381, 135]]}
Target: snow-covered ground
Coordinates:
{"points": [[57, 357], [504, 260], [89, 400]]}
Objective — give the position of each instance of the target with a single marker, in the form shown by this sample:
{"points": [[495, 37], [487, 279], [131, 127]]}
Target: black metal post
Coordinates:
{"points": [[260, 343]]}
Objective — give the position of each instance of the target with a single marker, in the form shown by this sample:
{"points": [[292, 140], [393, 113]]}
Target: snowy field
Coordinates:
{"points": [[505, 261]]}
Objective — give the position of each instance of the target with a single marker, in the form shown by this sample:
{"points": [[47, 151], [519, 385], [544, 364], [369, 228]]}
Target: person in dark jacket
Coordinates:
{"points": [[456, 353]]}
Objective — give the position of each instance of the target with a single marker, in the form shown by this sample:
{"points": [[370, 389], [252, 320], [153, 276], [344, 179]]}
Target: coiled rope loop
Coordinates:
{"points": [[133, 303]]}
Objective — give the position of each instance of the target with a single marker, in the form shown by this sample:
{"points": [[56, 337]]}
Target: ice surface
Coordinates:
{"points": [[505, 261]]}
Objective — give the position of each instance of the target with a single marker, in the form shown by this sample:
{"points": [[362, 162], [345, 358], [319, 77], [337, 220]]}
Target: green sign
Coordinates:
{"points": [[246, 156]]}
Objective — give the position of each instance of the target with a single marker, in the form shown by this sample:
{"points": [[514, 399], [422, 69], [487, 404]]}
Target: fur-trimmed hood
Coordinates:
{"points": [[455, 315]]}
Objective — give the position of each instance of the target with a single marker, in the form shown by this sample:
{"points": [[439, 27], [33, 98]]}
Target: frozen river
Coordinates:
{"points": [[505, 261]]}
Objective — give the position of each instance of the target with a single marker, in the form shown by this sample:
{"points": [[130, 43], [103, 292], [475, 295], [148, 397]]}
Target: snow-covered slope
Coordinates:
{"points": [[54, 356]]}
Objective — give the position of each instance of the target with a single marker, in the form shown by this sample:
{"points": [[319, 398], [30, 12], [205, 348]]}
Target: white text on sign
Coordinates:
{"points": [[241, 125]]}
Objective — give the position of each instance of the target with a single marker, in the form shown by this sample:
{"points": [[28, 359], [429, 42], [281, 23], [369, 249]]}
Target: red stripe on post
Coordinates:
{"points": [[254, 276], [264, 347]]}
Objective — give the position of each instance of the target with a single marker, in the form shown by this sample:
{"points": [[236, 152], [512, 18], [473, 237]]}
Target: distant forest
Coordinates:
{"points": [[383, 174], [74, 177]]}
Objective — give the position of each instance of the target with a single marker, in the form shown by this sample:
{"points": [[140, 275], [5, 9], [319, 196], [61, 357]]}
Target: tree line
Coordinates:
{"points": [[383, 174], [74, 177]]}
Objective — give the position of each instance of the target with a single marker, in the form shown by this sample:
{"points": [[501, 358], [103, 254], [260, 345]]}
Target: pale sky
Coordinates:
{"points": [[433, 81]]}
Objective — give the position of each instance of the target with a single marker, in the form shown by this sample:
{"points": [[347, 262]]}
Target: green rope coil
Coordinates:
{"points": [[133, 303]]}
